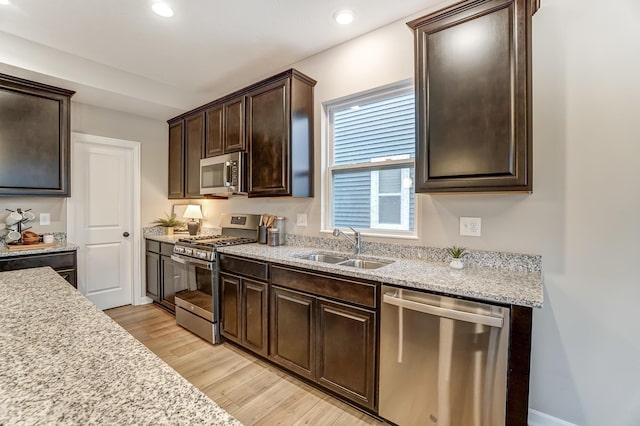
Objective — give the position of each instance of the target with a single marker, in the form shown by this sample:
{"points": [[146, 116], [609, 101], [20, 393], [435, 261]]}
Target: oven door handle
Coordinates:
{"points": [[197, 262]]}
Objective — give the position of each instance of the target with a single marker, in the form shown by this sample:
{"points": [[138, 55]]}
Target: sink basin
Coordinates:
{"points": [[338, 259], [324, 258], [364, 264]]}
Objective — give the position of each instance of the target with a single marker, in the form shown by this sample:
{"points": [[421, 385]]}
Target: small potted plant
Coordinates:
{"points": [[168, 223], [456, 253]]}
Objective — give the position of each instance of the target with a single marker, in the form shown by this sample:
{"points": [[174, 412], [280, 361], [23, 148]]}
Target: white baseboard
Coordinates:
{"points": [[144, 300], [536, 418]]}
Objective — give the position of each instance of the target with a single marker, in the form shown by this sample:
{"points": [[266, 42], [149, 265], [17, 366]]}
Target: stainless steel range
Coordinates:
{"points": [[197, 292]]}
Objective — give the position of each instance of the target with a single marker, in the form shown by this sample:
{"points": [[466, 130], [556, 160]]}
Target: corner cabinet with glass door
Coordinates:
{"points": [[371, 161]]}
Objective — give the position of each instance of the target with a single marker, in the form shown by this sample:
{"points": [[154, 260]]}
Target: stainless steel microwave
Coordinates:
{"points": [[223, 174]]}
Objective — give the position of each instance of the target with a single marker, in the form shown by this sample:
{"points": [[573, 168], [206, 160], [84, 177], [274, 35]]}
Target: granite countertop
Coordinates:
{"points": [[166, 238], [63, 361], [60, 246], [522, 288]]}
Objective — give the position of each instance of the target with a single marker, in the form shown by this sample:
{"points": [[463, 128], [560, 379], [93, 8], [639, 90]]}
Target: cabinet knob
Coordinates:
{"points": [[125, 234]]}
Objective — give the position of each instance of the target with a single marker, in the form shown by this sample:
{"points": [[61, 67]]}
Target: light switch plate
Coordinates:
{"points": [[470, 226], [45, 218], [301, 219]]}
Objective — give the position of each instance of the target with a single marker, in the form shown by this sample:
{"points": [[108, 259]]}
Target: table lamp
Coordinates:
{"points": [[192, 212]]}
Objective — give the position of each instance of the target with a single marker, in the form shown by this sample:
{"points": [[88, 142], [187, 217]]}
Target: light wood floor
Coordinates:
{"points": [[248, 388]]}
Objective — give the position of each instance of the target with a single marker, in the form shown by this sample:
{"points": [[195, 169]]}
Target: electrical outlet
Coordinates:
{"points": [[45, 218], [301, 219], [470, 226]]}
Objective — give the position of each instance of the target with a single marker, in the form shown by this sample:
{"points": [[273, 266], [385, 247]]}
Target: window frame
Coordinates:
{"points": [[377, 94]]}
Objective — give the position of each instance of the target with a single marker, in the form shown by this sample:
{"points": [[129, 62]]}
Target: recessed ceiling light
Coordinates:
{"points": [[5, 2], [343, 17], [162, 9]]}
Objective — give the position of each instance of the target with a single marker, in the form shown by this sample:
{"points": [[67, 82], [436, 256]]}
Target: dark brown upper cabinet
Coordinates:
{"points": [[176, 159], [225, 128], [473, 97], [272, 120], [186, 144], [34, 138], [193, 146], [280, 137]]}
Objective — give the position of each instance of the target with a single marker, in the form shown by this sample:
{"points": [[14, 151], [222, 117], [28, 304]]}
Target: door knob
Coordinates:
{"points": [[125, 234]]}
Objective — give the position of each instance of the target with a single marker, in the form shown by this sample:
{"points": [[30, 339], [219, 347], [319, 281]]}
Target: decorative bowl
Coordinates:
{"points": [[29, 237]]}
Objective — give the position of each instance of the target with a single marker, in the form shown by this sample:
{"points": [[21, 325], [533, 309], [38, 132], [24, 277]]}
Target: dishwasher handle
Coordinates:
{"points": [[453, 314]]}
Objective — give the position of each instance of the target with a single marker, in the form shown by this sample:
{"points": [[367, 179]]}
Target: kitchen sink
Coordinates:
{"points": [[364, 264], [324, 258], [337, 259]]}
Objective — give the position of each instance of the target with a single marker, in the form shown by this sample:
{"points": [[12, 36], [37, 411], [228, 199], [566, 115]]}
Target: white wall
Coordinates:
{"points": [[582, 216], [56, 207]]}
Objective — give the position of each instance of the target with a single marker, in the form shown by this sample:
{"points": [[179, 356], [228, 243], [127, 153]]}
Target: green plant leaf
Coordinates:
{"points": [[457, 252], [168, 222]]}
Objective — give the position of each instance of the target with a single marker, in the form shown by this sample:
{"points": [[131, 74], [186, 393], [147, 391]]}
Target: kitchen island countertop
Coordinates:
{"points": [[63, 361]]}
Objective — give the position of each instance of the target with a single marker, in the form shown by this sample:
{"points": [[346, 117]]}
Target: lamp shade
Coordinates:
{"points": [[192, 212]]}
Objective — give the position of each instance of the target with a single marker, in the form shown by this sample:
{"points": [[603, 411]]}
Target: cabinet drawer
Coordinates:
{"points": [[166, 249], [362, 293], [246, 267], [56, 261], [153, 246]]}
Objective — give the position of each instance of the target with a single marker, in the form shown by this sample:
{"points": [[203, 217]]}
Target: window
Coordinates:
{"points": [[370, 161]]}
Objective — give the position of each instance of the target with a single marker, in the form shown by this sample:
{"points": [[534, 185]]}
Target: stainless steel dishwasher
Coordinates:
{"points": [[443, 361]]}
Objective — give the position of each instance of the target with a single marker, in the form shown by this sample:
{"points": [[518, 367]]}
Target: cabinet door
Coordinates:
{"points": [[292, 331], [254, 316], [176, 160], [473, 111], [153, 275], [230, 315], [268, 139], [346, 351], [35, 138], [213, 144], [194, 143], [234, 125], [167, 281]]}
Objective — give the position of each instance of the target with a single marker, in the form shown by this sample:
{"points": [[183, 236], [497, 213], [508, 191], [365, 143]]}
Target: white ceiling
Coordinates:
{"points": [[119, 54]]}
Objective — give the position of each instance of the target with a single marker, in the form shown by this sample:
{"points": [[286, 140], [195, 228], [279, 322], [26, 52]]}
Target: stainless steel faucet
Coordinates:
{"points": [[355, 240]]}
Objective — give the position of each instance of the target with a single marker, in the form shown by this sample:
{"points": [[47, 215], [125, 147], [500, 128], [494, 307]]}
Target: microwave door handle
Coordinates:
{"points": [[227, 173]]}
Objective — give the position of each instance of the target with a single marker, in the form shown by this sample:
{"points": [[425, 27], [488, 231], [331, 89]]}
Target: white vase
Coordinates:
{"points": [[456, 264]]}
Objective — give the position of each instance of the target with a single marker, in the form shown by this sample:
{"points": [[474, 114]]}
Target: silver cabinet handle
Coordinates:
{"points": [[453, 314]]}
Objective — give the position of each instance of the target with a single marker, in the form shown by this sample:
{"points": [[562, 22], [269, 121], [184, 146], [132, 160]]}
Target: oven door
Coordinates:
{"points": [[194, 287]]}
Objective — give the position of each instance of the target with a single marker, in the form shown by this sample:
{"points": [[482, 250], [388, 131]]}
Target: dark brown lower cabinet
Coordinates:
{"points": [[346, 351], [244, 312], [160, 274], [153, 275], [64, 263], [293, 331], [230, 307], [331, 342]]}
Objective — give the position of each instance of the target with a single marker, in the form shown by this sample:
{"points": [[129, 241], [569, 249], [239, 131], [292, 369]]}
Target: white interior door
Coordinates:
{"points": [[101, 215]]}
